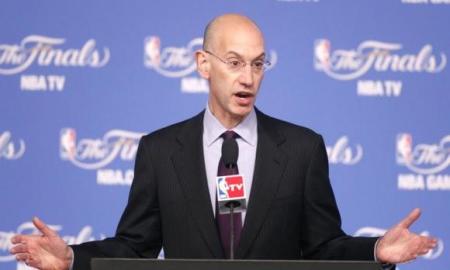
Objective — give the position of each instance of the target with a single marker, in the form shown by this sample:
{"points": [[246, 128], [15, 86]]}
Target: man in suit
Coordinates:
{"points": [[291, 214]]}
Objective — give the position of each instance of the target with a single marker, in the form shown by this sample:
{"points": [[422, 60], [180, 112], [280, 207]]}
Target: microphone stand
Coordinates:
{"points": [[232, 205], [231, 231]]}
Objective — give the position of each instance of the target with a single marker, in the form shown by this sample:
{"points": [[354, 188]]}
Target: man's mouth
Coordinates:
{"points": [[244, 94], [244, 98]]}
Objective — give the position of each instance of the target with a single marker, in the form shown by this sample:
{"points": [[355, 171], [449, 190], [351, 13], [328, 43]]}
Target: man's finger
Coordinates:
{"points": [[17, 239], [30, 261], [433, 241], [42, 227], [34, 262], [423, 251], [21, 248], [413, 216], [430, 244], [21, 257]]}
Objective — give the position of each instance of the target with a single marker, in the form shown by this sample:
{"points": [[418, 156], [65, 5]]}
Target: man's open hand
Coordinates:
{"points": [[46, 251], [400, 245]]}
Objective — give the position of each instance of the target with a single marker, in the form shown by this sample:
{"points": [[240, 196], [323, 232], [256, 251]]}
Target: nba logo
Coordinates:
{"points": [[222, 188], [67, 143], [404, 148], [322, 54], [152, 51]]}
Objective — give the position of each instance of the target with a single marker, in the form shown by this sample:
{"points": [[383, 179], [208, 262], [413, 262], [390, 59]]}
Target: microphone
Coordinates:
{"points": [[230, 153], [230, 188]]}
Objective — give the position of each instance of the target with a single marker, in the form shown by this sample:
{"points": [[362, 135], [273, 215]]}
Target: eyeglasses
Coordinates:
{"points": [[235, 64]]}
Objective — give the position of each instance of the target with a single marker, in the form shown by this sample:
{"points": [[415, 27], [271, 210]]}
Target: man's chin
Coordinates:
{"points": [[242, 112]]}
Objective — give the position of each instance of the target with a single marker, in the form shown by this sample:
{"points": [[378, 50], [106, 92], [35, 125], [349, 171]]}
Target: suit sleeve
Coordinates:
{"points": [[138, 234], [322, 236]]}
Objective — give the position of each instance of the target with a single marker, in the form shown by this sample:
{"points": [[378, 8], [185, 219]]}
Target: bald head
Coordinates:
{"points": [[225, 24]]}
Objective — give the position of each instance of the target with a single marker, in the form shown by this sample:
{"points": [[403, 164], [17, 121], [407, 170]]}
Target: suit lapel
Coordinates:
{"points": [[269, 167], [189, 165]]}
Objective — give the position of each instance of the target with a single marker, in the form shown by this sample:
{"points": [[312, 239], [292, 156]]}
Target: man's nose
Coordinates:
{"points": [[246, 77]]}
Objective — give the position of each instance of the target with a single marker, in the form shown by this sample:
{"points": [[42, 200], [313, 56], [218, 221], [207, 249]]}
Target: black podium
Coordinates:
{"points": [[169, 264]]}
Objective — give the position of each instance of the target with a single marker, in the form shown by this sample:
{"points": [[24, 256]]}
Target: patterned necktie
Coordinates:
{"points": [[223, 220]]}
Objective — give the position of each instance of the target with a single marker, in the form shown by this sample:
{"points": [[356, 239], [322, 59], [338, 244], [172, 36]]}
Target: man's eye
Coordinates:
{"points": [[258, 64], [234, 63]]}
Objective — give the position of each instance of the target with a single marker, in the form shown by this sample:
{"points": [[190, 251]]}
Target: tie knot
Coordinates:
{"points": [[229, 134]]}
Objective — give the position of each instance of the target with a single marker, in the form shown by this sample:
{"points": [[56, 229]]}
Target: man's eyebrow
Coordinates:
{"points": [[233, 53]]}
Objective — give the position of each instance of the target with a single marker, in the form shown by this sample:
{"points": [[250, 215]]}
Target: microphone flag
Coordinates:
{"points": [[231, 188]]}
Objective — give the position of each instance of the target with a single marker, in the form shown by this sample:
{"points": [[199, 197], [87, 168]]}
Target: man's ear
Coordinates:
{"points": [[203, 64]]}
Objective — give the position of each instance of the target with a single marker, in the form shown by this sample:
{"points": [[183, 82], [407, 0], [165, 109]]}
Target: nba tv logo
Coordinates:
{"points": [[230, 187]]}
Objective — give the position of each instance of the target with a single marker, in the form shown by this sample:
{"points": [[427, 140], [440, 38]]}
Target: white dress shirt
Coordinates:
{"points": [[212, 149]]}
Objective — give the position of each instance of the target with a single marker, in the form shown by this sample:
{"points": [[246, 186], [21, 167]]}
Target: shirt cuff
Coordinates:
{"points": [[73, 259]]}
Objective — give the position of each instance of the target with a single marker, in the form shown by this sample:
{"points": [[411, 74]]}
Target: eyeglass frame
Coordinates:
{"points": [[265, 63]]}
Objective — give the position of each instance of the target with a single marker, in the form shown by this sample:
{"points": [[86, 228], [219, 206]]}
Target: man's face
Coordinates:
{"points": [[233, 92]]}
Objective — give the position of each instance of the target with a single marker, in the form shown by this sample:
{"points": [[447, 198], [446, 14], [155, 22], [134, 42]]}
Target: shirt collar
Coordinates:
{"points": [[247, 129]]}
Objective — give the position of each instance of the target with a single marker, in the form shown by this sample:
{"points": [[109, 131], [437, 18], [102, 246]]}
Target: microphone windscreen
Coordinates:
{"points": [[230, 152]]}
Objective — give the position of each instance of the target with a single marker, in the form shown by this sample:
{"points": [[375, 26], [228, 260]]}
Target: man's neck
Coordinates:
{"points": [[228, 121]]}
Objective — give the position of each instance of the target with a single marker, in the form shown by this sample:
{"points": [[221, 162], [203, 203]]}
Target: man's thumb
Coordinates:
{"points": [[42, 227], [410, 219]]}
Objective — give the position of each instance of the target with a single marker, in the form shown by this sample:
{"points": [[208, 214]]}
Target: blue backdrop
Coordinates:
{"points": [[81, 81]]}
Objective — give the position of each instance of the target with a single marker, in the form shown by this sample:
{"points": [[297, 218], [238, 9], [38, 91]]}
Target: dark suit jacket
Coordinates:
{"points": [[292, 212]]}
